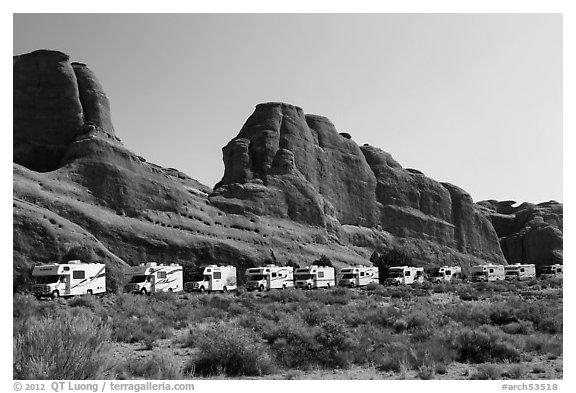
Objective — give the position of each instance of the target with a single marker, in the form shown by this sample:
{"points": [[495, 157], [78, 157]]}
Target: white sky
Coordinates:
{"points": [[471, 99]]}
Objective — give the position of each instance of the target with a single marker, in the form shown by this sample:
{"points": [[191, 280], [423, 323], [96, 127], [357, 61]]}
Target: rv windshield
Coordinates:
{"points": [[255, 277], [47, 279], [547, 269], [348, 276], [302, 277], [138, 279], [396, 273]]}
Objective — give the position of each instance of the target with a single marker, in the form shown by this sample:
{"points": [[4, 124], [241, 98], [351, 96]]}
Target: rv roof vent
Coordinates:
{"points": [[74, 261], [151, 264]]}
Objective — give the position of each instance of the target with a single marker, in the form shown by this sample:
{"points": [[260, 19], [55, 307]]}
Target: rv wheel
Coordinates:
{"points": [[55, 294], [169, 289], [143, 291], [261, 288], [202, 289], [328, 286], [224, 289], [309, 286], [89, 292], [283, 286], [351, 285]]}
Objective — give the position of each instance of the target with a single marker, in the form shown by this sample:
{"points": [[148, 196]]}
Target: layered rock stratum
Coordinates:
{"points": [[293, 189]]}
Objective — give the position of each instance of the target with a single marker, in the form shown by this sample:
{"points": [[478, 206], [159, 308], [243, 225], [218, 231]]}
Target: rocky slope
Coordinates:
{"points": [[293, 189]]}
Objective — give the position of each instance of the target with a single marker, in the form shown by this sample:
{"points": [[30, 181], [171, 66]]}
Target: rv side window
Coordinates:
{"points": [[217, 275], [273, 275], [78, 274], [447, 272], [361, 274], [407, 273], [491, 271], [522, 270], [559, 270], [161, 275], [320, 274]]}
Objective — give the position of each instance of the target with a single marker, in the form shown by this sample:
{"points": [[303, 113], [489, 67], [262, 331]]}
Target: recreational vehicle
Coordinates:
{"points": [[487, 273], [215, 278], [358, 276], [520, 272], [313, 277], [445, 274], [152, 278], [405, 275], [269, 277], [67, 279], [550, 271]]}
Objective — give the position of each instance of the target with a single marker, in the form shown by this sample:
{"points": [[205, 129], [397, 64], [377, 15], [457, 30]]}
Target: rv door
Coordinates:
{"points": [[65, 281], [151, 279]]}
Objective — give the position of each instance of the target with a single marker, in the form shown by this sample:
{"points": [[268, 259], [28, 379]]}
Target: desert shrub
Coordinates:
{"points": [[487, 371], [520, 327], [441, 288], [135, 329], [470, 315], [383, 316], [62, 347], [341, 296], [484, 344], [336, 345], [544, 344], [315, 314], [89, 302], [231, 350], [399, 292], [516, 371], [425, 372], [287, 296], [400, 325], [293, 342], [156, 367], [502, 314]]}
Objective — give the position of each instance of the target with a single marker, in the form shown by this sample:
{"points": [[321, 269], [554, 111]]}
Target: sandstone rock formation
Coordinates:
{"points": [[528, 233], [326, 179], [293, 189]]}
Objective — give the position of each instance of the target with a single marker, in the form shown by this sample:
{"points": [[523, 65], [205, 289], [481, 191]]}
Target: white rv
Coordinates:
{"points": [[67, 279], [152, 278], [215, 278], [445, 274], [487, 273], [269, 277], [312, 277], [550, 271], [405, 275], [358, 276], [520, 272]]}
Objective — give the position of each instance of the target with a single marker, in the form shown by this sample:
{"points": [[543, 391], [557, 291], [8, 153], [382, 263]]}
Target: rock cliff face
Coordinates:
{"points": [[323, 176], [528, 233], [55, 101], [287, 164], [293, 189]]}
